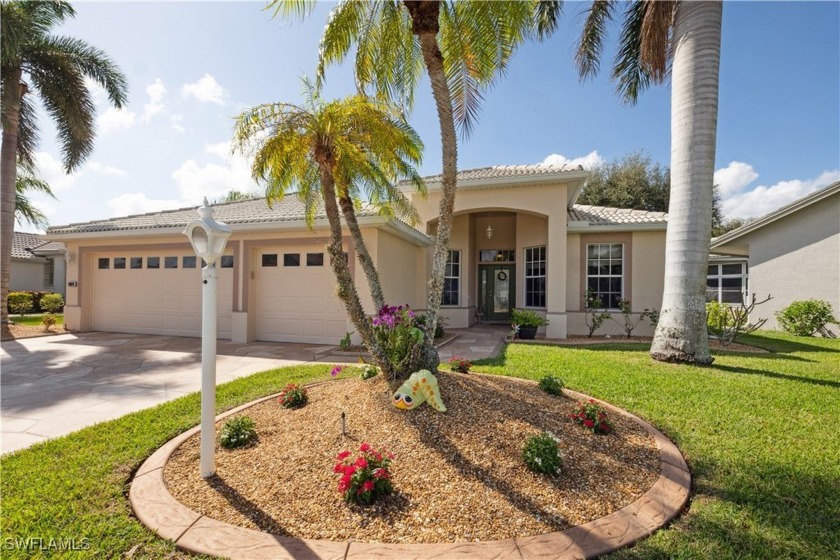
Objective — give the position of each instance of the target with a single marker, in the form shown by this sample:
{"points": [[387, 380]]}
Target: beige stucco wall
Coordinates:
{"points": [[796, 257], [399, 264]]}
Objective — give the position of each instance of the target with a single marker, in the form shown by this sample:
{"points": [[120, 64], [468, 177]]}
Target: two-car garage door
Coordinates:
{"points": [[155, 292]]}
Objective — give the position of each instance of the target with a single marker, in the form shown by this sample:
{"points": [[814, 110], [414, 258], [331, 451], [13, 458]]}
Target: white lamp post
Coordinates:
{"points": [[208, 238]]}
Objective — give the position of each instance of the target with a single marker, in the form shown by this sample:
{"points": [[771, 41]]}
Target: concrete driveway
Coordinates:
{"points": [[54, 385]]}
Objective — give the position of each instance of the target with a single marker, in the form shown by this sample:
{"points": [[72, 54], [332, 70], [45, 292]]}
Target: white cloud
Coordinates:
{"points": [[763, 199], [212, 180], [51, 170], [137, 203], [206, 89], [222, 150], [115, 119], [590, 160], [734, 177], [105, 169], [175, 122], [157, 93]]}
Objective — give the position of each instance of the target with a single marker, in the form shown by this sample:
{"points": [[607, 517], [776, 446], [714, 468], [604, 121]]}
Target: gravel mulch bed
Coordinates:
{"points": [[13, 331], [458, 476]]}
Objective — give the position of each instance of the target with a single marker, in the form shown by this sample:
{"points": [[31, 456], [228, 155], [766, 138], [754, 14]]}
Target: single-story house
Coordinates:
{"points": [[519, 240], [792, 254], [37, 264]]}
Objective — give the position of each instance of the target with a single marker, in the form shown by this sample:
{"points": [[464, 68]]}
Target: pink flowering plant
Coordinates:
{"points": [[459, 364], [365, 477], [592, 416], [293, 396], [399, 335]]}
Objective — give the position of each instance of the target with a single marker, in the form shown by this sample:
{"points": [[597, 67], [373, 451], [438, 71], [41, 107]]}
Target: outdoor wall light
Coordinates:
{"points": [[208, 238]]}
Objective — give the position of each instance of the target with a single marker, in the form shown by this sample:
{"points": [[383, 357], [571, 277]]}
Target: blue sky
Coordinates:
{"points": [[193, 66]]}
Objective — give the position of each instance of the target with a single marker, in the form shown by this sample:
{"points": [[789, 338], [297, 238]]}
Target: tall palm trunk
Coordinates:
{"points": [[361, 249], [341, 268], [681, 334], [13, 91], [425, 24]]}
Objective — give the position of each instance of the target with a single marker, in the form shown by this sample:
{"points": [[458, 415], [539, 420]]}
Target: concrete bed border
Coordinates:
{"points": [[193, 532]]}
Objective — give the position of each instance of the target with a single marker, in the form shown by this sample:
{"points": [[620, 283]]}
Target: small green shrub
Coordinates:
{"points": [[592, 416], [420, 320], [237, 431], [345, 342], [20, 302], [52, 303], [804, 318], [366, 371], [552, 385], [527, 318], [48, 321], [718, 317], [595, 315], [540, 454], [293, 396], [459, 364]]}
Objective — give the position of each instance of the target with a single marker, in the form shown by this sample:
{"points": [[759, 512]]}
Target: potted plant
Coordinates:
{"points": [[527, 322]]}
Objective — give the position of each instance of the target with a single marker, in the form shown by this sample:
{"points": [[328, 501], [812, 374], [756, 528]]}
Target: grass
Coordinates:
{"points": [[758, 431], [35, 320]]}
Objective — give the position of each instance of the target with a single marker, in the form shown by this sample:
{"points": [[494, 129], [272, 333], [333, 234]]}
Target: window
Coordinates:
{"points": [[605, 272], [227, 261], [136, 262], [187, 262], [269, 260], [153, 262], [495, 255], [314, 259], [727, 283], [49, 272], [291, 259], [104, 263], [170, 262], [535, 277], [452, 279], [119, 262]]}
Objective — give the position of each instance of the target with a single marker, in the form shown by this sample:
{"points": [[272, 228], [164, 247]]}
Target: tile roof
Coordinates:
{"points": [[499, 171], [606, 216], [240, 212], [22, 243]]}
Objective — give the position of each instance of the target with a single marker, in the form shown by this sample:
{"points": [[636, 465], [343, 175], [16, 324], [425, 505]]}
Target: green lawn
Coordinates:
{"points": [[759, 432], [35, 320]]}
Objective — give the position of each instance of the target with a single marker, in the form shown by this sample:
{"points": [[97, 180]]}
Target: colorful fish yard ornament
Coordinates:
{"points": [[421, 387]]}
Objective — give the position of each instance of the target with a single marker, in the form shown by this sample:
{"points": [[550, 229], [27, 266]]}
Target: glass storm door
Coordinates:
{"points": [[496, 289]]}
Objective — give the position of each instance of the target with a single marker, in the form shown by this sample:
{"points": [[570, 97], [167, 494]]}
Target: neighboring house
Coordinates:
{"points": [[792, 254], [38, 264], [518, 241]]}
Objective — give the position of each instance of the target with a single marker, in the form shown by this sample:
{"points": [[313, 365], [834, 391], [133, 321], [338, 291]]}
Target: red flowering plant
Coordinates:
{"points": [[293, 396], [366, 477], [459, 364], [592, 416]]}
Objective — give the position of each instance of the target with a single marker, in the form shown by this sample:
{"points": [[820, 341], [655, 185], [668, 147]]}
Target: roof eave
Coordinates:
{"points": [[603, 228], [511, 180]]}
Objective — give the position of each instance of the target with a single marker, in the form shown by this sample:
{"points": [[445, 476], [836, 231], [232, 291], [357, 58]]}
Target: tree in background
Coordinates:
{"points": [[464, 47], [54, 68], [236, 196], [332, 153], [680, 41]]}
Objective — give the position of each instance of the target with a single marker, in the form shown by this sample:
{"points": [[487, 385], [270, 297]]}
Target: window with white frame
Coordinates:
{"points": [[605, 272], [727, 282], [452, 279], [535, 276]]}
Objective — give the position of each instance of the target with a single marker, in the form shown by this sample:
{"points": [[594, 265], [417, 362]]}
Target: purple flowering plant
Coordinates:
{"points": [[399, 336]]}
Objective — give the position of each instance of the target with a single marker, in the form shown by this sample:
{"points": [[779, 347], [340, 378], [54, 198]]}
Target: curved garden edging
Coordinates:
{"points": [[156, 508]]}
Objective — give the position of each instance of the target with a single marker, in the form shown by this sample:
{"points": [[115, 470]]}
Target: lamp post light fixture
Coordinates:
{"points": [[208, 238]]}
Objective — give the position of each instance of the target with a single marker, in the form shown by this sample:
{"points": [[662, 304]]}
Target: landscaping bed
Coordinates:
{"points": [[14, 331], [458, 476], [574, 340]]}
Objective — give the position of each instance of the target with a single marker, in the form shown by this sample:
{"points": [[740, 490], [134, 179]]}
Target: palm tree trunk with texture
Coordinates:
{"points": [[361, 250], [12, 92], [681, 334]]}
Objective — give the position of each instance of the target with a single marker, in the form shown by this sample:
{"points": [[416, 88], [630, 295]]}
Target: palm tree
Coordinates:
{"points": [[680, 39], [333, 152], [28, 181], [464, 47], [54, 68]]}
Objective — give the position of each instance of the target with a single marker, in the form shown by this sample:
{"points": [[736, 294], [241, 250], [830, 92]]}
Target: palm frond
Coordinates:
{"points": [[291, 9], [28, 181], [547, 14], [656, 38], [629, 72], [591, 43], [27, 131]]}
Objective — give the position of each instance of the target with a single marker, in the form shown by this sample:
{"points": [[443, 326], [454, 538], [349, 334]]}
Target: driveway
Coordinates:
{"points": [[54, 385]]}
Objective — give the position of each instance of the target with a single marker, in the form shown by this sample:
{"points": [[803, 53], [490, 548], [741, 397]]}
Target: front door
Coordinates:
{"points": [[496, 289]]}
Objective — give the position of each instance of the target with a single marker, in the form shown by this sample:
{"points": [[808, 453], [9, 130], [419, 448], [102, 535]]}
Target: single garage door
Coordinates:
{"points": [[156, 292], [295, 297]]}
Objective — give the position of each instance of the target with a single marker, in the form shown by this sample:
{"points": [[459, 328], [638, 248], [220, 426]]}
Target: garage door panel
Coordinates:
{"points": [[161, 300], [297, 303]]}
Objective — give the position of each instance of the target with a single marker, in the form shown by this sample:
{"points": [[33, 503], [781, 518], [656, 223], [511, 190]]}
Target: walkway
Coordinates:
{"points": [[54, 385]]}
